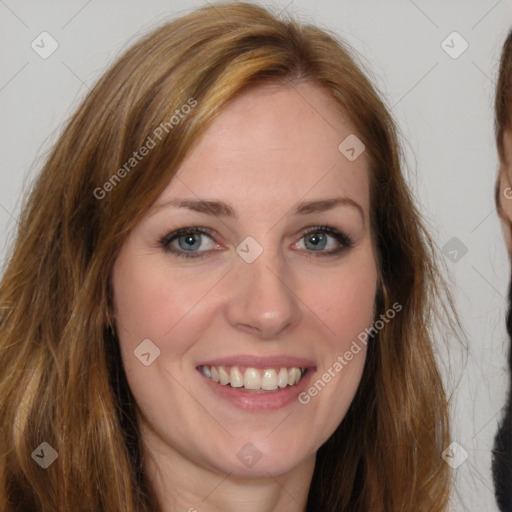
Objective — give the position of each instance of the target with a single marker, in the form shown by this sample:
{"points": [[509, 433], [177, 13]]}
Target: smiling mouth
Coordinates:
{"points": [[254, 380]]}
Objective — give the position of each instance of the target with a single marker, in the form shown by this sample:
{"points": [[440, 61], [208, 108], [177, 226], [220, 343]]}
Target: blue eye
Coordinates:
{"points": [[317, 239], [186, 242]]}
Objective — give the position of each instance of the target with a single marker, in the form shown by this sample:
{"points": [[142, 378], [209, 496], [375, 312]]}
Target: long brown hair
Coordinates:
{"points": [[502, 451], [62, 380]]}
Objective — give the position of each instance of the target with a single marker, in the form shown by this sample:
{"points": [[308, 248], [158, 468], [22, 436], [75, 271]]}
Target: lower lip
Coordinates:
{"points": [[269, 400]]}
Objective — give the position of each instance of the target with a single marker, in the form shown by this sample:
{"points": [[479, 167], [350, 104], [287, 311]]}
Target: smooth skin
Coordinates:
{"points": [[273, 147]]}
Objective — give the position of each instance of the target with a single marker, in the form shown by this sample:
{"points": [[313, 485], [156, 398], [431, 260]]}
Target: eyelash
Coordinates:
{"points": [[345, 241]]}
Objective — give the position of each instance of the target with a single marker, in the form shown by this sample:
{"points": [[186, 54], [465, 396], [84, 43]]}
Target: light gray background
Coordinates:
{"points": [[443, 106]]}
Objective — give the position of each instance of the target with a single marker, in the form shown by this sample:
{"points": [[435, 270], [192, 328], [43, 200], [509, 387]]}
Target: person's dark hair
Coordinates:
{"points": [[502, 451]]}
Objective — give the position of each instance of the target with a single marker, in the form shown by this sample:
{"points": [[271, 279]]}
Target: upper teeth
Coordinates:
{"points": [[254, 378]]}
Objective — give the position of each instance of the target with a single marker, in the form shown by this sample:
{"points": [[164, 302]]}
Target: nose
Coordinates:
{"points": [[263, 301]]}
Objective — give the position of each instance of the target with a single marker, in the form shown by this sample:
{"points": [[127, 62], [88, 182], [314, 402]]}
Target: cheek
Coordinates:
{"points": [[348, 302], [346, 308], [152, 300], [151, 305], [139, 301]]}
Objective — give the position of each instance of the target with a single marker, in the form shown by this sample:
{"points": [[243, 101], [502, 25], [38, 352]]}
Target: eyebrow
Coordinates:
{"points": [[222, 209]]}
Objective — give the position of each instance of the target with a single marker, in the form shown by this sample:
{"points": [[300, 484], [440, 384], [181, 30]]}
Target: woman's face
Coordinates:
{"points": [[253, 289]]}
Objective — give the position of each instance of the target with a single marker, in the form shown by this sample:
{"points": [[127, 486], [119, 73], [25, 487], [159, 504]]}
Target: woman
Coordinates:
{"points": [[502, 453], [221, 293]]}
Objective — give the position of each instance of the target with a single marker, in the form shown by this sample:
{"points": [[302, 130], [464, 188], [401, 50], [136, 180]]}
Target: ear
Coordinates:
{"points": [[504, 204]]}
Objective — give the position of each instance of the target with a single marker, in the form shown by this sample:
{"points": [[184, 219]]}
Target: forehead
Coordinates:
{"points": [[274, 143]]}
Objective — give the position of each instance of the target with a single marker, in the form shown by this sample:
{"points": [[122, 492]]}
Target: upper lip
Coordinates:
{"points": [[260, 362]]}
